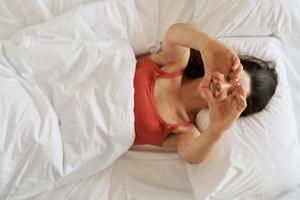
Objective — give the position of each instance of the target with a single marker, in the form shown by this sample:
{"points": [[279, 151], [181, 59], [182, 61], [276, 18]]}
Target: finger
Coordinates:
{"points": [[216, 75], [243, 101], [235, 66], [234, 77], [231, 97], [238, 71], [206, 79], [240, 101], [209, 96], [227, 104], [236, 95], [241, 90], [228, 100], [235, 59], [235, 56]]}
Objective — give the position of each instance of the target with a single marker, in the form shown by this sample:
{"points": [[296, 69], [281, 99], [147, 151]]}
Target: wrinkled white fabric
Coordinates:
{"points": [[66, 99]]}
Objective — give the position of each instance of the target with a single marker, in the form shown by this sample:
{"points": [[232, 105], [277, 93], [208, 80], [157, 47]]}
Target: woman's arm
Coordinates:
{"points": [[194, 147], [178, 40]]}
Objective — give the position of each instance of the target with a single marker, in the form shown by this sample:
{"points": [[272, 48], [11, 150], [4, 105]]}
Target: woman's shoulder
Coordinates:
{"points": [[181, 135], [191, 128]]}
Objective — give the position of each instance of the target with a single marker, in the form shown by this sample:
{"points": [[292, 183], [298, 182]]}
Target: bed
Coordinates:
{"points": [[48, 152]]}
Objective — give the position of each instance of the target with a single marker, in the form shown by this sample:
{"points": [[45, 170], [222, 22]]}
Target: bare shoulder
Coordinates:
{"points": [[181, 137], [172, 62]]}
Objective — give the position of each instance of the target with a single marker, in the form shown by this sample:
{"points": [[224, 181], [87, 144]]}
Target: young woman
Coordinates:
{"points": [[166, 102]]}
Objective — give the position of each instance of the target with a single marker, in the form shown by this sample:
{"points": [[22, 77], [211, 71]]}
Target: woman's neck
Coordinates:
{"points": [[191, 97]]}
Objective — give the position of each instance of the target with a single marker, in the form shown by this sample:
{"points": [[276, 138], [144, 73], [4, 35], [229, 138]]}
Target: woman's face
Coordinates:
{"points": [[222, 85]]}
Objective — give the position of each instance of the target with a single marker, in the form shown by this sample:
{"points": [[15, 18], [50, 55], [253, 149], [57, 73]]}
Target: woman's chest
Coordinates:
{"points": [[166, 101]]}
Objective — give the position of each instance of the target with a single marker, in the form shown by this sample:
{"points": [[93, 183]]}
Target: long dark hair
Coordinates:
{"points": [[263, 77]]}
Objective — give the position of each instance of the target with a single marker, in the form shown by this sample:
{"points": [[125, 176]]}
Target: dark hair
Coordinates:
{"points": [[263, 77]]}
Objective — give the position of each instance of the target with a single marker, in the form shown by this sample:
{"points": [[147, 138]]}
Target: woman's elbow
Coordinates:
{"points": [[192, 160]]}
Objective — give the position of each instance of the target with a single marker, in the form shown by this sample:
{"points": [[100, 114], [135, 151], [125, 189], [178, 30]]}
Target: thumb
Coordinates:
{"points": [[206, 80], [209, 97]]}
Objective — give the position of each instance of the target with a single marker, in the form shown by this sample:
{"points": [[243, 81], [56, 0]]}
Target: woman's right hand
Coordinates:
{"points": [[223, 112]]}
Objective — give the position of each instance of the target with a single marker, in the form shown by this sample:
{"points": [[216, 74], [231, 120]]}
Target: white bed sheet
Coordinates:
{"points": [[135, 175], [152, 15], [61, 87]]}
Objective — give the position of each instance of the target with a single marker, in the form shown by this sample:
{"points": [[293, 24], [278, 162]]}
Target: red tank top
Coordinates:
{"points": [[150, 128]]}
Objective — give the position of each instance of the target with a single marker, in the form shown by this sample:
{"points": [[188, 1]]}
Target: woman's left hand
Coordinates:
{"points": [[223, 112], [218, 57]]}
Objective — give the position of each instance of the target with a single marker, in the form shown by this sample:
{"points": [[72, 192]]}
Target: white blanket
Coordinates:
{"points": [[66, 99]]}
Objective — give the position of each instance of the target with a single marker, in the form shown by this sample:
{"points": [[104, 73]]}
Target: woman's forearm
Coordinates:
{"points": [[200, 148], [188, 36]]}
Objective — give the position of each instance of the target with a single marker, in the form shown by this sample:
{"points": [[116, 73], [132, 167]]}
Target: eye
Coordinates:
{"points": [[227, 78]]}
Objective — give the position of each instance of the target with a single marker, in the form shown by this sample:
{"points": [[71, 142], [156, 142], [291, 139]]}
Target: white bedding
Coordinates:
{"points": [[66, 99], [135, 175]]}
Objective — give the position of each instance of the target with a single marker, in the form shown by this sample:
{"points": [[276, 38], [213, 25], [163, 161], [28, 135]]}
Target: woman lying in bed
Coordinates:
{"points": [[170, 89]]}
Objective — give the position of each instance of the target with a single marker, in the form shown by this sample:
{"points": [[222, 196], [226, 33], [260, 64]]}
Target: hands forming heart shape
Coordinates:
{"points": [[217, 57]]}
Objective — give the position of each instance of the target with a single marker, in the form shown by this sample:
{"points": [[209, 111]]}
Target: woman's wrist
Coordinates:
{"points": [[204, 42], [215, 133]]}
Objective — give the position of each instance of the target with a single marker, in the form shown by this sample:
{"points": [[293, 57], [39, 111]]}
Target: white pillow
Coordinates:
{"points": [[259, 154], [250, 18]]}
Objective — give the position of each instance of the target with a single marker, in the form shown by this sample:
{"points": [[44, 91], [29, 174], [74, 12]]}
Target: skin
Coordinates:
{"points": [[223, 90]]}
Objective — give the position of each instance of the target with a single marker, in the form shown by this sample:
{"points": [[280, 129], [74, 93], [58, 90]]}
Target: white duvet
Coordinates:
{"points": [[66, 100]]}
